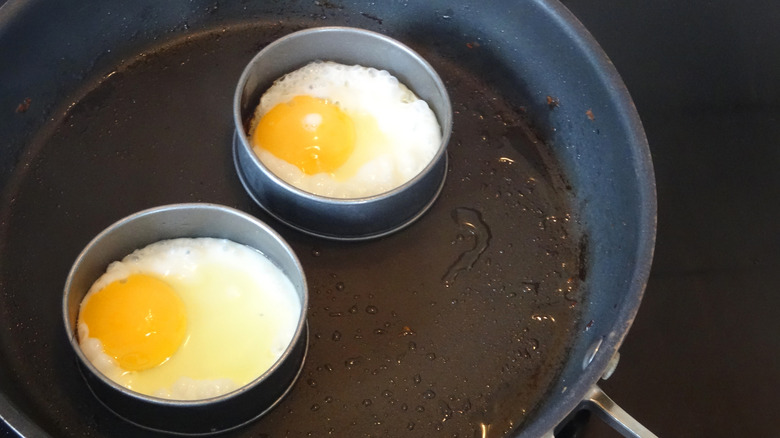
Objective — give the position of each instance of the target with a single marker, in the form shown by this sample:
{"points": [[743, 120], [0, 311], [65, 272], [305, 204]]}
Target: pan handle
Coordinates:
{"points": [[599, 403]]}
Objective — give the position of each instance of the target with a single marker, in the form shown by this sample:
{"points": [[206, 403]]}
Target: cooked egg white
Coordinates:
{"points": [[188, 319], [343, 131]]}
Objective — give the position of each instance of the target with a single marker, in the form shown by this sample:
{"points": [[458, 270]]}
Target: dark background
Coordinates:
{"points": [[703, 356]]}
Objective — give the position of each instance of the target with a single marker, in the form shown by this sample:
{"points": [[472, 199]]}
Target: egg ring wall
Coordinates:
{"points": [[366, 217], [160, 224]]}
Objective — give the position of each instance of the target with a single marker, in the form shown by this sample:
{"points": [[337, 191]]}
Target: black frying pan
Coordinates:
{"points": [[495, 314]]}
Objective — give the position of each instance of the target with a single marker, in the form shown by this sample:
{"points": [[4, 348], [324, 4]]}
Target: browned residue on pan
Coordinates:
{"points": [[24, 106]]}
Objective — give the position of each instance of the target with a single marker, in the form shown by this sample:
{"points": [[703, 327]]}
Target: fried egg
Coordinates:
{"points": [[188, 319], [343, 131]]}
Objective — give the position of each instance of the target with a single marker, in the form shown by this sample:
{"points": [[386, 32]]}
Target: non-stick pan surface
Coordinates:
{"points": [[473, 321]]}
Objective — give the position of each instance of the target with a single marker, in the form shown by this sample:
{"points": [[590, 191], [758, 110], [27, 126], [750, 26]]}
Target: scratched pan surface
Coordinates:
{"points": [[473, 321]]}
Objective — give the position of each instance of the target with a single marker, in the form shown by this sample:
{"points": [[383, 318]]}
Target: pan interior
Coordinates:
{"points": [[459, 324]]}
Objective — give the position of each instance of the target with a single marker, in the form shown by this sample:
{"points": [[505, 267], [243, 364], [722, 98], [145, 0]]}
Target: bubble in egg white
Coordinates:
{"points": [[407, 139]]}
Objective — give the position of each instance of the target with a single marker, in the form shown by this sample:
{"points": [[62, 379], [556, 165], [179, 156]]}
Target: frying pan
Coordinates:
{"points": [[495, 314]]}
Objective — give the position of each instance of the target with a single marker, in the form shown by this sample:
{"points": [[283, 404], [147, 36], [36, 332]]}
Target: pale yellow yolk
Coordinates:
{"points": [[140, 321], [310, 133]]}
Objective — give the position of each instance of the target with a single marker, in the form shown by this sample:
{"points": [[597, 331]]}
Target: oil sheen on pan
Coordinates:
{"points": [[455, 325]]}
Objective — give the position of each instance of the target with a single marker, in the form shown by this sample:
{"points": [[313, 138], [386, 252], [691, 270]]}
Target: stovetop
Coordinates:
{"points": [[703, 356]]}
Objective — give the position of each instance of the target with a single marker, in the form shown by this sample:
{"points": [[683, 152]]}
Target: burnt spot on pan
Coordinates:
{"points": [[24, 106]]}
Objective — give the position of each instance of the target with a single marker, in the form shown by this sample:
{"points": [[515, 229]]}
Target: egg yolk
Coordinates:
{"points": [[140, 321], [313, 134]]}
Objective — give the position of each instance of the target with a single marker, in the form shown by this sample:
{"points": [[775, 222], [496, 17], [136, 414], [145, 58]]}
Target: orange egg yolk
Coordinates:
{"points": [[140, 321], [313, 134]]}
